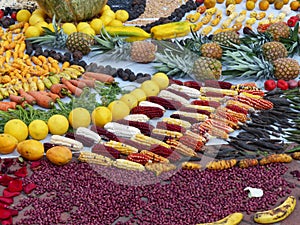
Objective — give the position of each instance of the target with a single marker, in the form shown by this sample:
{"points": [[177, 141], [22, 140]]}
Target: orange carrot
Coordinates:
{"points": [[42, 100], [105, 78], [90, 82], [30, 100], [78, 83], [75, 90], [5, 106], [16, 98], [53, 96], [60, 89]]}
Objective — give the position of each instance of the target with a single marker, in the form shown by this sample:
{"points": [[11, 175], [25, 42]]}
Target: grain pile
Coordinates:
{"points": [[17, 4]]}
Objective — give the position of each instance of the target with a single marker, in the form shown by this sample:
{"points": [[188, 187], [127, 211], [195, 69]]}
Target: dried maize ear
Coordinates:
{"points": [[167, 133], [206, 30], [215, 21], [159, 168], [230, 9], [296, 155], [260, 15], [240, 18], [276, 158], [148, 140], [206, 19], [166, 103], [169, 95], [139, 158], [191, 92], [151, 104], [145, 128], [121, 130], [181, 148], [94, 158], [233, 15], [246, 163], [128, 165], [190, 166], [137, 117], [155, 157], [121, 147], [196, 116], [178, 122], [107, 151], [221, 164]]}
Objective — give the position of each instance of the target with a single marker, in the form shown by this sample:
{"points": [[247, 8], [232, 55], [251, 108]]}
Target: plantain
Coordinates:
{"points": [[77, 67], [232, 219], [72, 72], [277, 214]]}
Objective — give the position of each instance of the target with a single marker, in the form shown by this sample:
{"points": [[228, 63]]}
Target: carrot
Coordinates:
{"points": [[75, 90], [5, 106], [30, 100], [53, 96], [105, 78], [60, 89], [42, 100], [16, 98], [90, 82], [78, 83]]}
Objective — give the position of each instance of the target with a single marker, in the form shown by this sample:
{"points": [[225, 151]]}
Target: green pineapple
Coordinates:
{"points": [[274, 50], [279, 30], [226, 38]]}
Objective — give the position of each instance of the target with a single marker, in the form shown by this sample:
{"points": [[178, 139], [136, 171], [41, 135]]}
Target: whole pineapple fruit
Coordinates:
{"points": [[286, 68], [79, 41], [226, 37], [142, 51], [211, 50], [279, 30], [205, 68], [274, 50]]}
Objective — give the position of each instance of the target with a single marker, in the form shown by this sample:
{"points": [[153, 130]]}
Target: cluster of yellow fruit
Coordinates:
{"points": [[36, 21], [264, 4]]}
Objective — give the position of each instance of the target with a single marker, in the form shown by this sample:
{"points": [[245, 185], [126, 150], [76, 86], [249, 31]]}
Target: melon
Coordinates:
{"points": [[72, 10]]}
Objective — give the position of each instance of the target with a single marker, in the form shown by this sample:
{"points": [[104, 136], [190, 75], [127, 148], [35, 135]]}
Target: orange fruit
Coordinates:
{"points": [[271, 1], [209, 3], [295, 5], [278, 4], [220, 1], [250, 5], [285, 2], [238, 1], [263, 5], [229, 2]]}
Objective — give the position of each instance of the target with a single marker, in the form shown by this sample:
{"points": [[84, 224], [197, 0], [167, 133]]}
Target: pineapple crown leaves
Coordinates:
{"points": [[292, 43], [255, 39]]}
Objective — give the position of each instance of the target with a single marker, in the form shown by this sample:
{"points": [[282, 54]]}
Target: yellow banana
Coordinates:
{"points": [[277, 214], [79, 68], [74, 73], [232, 219]]}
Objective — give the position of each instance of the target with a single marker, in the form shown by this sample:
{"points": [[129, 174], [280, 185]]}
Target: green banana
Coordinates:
{"points": [[277, 214], [232, 219]]}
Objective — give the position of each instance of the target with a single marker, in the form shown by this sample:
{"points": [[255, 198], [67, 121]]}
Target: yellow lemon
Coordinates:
{"points": [[23, 15], [119, 110], [40, 25], [106, 7], [34, 19], [150, 88], [101, 116], [58, 124], [115, 23], [106, 20], [97, 25], [89, 31], [79, 117], [16, 128], [139, 94], [69, 28], [38, 129], [82, 25], [122, 15], [32, 31], [109, 13], [161, 79], [40, 12], [130, 100]]}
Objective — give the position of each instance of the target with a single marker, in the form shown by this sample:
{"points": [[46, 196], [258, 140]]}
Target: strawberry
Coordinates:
{"points": [[270, 85], [282, 84]]}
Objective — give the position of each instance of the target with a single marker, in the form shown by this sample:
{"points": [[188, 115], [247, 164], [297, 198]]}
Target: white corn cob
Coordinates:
{"points": [[169, 95], [121, 130], [88, 133], [216, 99], [240, 18], [179, 122], [151, 104], [168, 133], [286, 9], [202, 107], [68, 142], [226, 23], [91, 157], [230, 8], [205, 31], [137, 117], [192, 92], [121, 147], [203, 90], [281, 16], [141, 138], [262, 22], [197, 116], [233, 15], [128, 165], [271, 16]]}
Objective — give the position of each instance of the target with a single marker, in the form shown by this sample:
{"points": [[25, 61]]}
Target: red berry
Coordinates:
{"points": [[1, 14], [270, 85], [13, 15], [282, 84]]}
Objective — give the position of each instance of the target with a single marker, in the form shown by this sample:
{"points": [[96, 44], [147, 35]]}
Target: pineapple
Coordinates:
{"points": [[211, 50], [142, 51], [79, 41], [226, 38], [177, 60], [279, 30], [286, 68], [274, 50]]}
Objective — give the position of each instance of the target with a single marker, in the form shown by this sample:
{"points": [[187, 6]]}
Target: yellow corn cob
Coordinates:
{"points": [[203, 90], [168, 133], [206, 19], [154, 157], [260, 15], [197, 116], [206, 30], [240, 104], [237, 26], [250, 95], [262, 22], [215, 21], [216, 132], [253, 14], [198, 26], [128, 165], [243, 12], [226, 23], [217, 99], [195, 136], [40, 85], [221, 164], [230, 8], [121, 147], [202, 107], [233, 15], [240, 18], [179, 122], [190, 166], [148, 140], [159, 168], [281, 16], [94, 158], [194, 17], [211, 11], [181, 148], [270, 17]]}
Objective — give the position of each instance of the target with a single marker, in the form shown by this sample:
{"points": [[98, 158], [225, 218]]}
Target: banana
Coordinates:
{"points": [[232, 219], [79, 68], [73, 73], [277, 214]]}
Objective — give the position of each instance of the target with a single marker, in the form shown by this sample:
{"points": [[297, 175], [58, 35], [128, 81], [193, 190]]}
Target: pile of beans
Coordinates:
{"points": [[81, 193]]}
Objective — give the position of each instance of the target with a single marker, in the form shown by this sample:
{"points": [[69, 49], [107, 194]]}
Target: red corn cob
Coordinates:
{"points": [[191, 143], [145, 128], [106, 151], [253, 92], [193, 84], [213, 94], [198, 129], [228, 116], [165, 152], [104, 134], [189, 109], [151, 112], [186, 118], [139, 158], [233, 125], [206, 103], [179, 93], [166, 103], [160, 137], [172, 127], [259, 104], [135, 144], [173, 81], [217, 84], [237, 109]]}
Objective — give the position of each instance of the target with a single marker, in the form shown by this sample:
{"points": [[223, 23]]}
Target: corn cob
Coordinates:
{"points": [[250, 21], [128, 165], [155, 158], [201, 107], [104, 134], [171, 96], [226, 23], [199, 137], [249, 95], [178, 122], [239, 116], [230, 8], [230, 123], [233, 15], [206, 19], [181, 148], [216, 132], [145, 128], [221, 164], [260, 15], [167, 133], [171, 127], [148, 140], [212, 99], [94, 158], [86, 141], [194, 110], [121, 130], [137, 117], [165, 152], [220, 125], [197, 116], [253, 92], [121, 147], [139, 158], [206, 30], [237, 26], [179, 93], [68, 142], [190, 166], [189, 119], [191, 142], [134, 144], [151, 104], [245, 163], [159, 168], [227, 116], [88, 134], [259, 104], [276, 158], [107, 151], [296, 155], [193, 17], [193, 84], [237, 109], [213, 104], [244, 106], [211, 11], [166, 103], [228, 92], [191, 92], [217, 84], [151, 112]]}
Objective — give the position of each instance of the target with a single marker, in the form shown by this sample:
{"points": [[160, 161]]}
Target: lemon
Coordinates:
{"points": [[69, 28], [58, 124], [109, 13], [40, 12], [23, 15], [106, 7], [34, 19], [89, 31], [97, 25], [119, 110], [101, 116], [115, 23], [32, 31], [79, 117], [122, 15], [16, 128], [38, 129], [130, 100], [161, 79], [82, 25], [139, 94], [40, 25], [150, 88], [106, 20]]}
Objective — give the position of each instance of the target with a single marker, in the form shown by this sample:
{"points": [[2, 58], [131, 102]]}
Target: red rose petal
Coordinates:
{"points": [[6, 200], [5, 179], [4, 214], [15, 186], [22, 172], [2, 205], [8, 221], [13, 212], [8, 194], [29, 188], [35, 164]]}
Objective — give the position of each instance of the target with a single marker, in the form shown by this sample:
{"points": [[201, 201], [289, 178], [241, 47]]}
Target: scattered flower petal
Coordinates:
{"points": [[15, 186], [29, 188], [22, 172], [8, 194]]}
